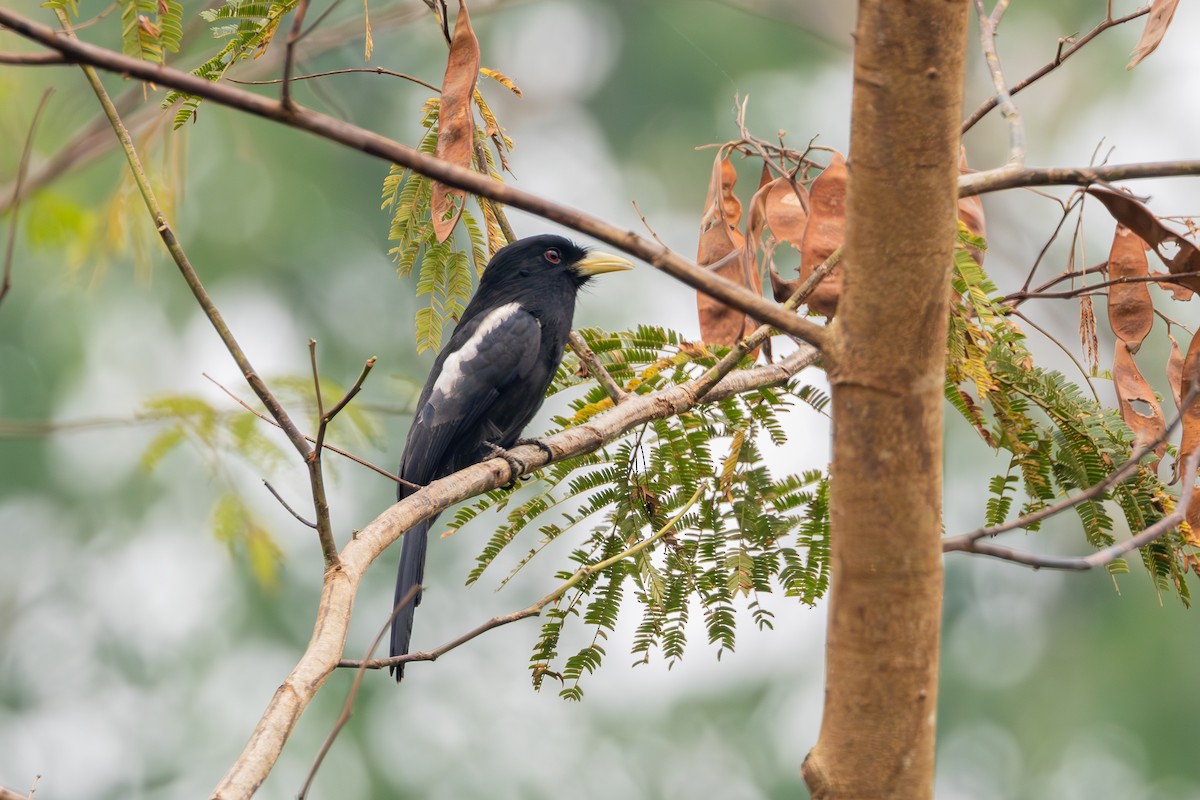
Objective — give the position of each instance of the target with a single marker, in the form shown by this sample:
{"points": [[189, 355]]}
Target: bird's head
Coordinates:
{"points": [[548, 260]]}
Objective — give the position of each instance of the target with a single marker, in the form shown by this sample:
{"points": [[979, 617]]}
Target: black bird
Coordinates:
{"points": [[490, 378]]}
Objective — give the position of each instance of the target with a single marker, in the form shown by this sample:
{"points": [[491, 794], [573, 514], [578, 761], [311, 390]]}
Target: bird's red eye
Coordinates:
{"points": [[553, 256]]}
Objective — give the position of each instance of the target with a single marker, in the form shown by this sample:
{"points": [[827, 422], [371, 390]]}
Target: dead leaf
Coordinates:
{"points": [[824, 233], [1175, 372], [1130, 309], [1134, 393], [1191, 421], [722, 243], [1157, 22], [970, 210], [781, 206], [1141, 220], [456, 121], [1180, 293]]}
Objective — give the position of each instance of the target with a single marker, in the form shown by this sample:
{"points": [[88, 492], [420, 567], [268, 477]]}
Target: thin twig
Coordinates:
{"points": [[289, 55], [535, 609], [33, 59], [1109, 554], [1061, 56], [352, 392], [345, 454], [289, 509], [595, 368], [22, 168], [1176, 277], [352, 695], [966, 541], [987, 39], [348, 70]]}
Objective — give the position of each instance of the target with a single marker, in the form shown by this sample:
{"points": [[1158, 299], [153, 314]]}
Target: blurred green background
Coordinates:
{"points": [[136, 652]]}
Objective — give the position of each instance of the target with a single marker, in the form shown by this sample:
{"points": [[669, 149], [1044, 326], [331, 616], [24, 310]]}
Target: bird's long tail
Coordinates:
{"points": [[412, 572]]}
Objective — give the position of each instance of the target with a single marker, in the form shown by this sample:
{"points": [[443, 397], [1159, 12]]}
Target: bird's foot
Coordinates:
{"points": [[516, 465], [539, 444]]}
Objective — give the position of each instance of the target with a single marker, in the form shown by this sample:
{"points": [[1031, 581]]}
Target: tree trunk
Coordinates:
{"points": [[886, 367]]}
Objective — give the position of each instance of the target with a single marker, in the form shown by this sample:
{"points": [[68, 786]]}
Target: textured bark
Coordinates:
{"points": [[886, 367]]}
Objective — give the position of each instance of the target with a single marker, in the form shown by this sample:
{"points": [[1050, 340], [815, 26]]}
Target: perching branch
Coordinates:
{"points": [[341, 585], [662, 258]]}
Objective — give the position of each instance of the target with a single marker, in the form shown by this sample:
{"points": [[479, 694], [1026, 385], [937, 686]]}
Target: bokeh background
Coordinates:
{"points": [[137, 651]]}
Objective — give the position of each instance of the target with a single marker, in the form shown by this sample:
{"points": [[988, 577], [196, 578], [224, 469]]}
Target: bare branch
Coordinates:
{"points": [[307, 438], [373, 144], [1010, 177], [987, 38], [1061, 55], [595, 368], [288, 508]]}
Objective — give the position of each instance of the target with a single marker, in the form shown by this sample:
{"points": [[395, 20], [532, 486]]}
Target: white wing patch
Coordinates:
{"points": [[452, 369]]}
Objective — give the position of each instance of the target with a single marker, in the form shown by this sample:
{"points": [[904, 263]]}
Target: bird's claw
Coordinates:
{"points": [[516, 465], [539, 444]]}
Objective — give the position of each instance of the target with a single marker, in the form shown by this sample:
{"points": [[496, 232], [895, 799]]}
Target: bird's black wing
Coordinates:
{"points": [[485, 364], [488, 360]]}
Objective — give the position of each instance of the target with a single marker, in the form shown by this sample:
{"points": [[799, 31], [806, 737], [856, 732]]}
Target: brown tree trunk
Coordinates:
{"points": [[886, 367]]}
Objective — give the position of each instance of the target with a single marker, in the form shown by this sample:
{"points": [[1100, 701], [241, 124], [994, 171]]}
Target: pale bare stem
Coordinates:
{"points": [[534, 610], [289, 55], [312, 358], [1061, 55], [352, 695], [286, 507], [326, 446], [987, 38], [9, 794], [22, 168], [595, 368], [968, 541], [1107, 555]]}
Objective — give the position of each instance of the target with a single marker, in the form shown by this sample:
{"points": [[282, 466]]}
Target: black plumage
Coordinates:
{"points": [[490, 378]]}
